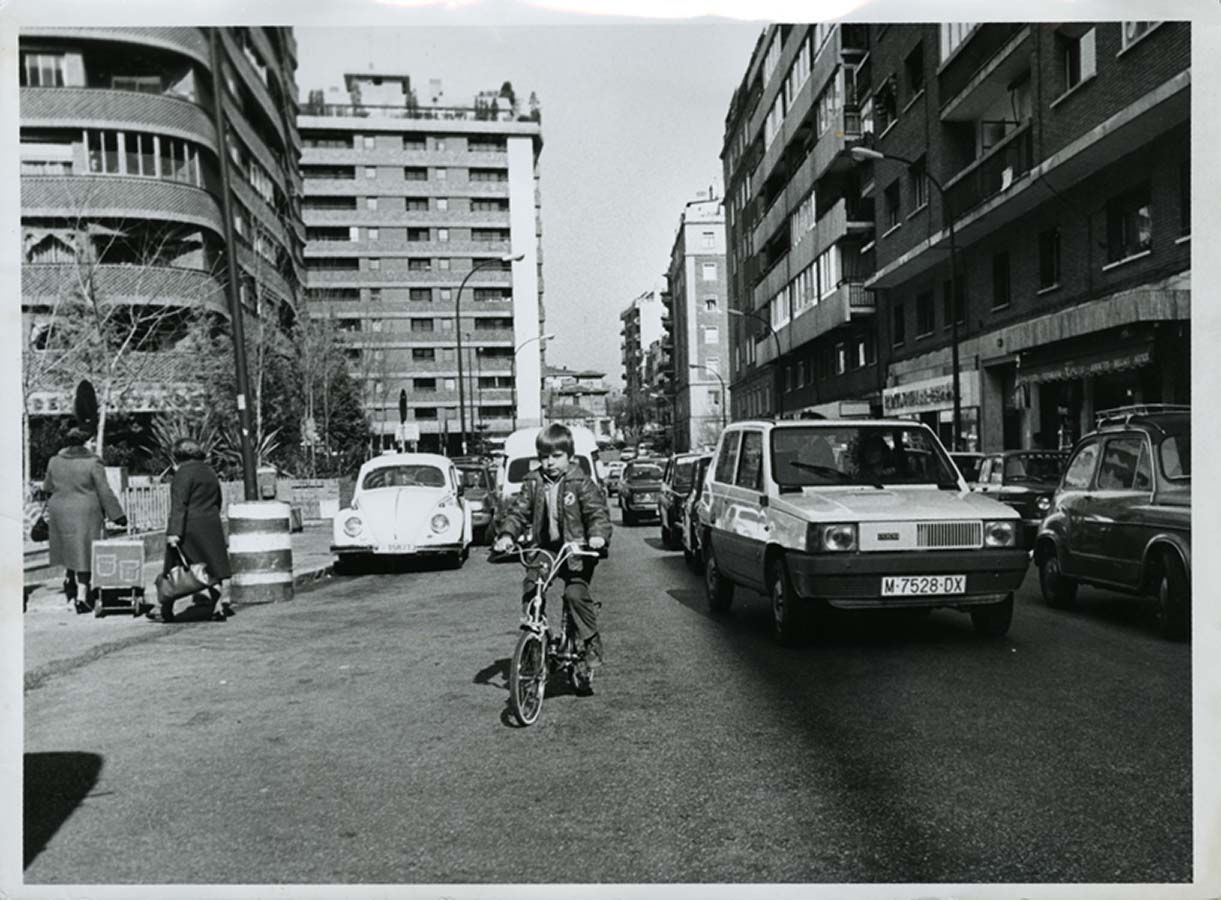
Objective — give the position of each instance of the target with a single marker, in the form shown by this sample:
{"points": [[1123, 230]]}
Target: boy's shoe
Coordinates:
{"points": [[593, 652]]}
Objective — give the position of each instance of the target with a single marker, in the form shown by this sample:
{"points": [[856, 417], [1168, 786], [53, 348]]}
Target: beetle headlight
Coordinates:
{"points": [[439, 523], [1000, 534], [351, 526], [832, 538]]}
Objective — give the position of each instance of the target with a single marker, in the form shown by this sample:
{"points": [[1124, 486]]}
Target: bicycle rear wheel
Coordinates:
{"points": [[528, 677]]}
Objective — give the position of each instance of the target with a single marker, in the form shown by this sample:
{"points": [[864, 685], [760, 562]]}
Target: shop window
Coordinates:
{"points": [[1000, 280], [898, 325], [1049, 258], [1129, 224], [925, 316]]}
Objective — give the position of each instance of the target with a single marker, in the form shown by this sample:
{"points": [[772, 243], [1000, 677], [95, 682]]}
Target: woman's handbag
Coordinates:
{"points": [[182, 580], [40, 530]]}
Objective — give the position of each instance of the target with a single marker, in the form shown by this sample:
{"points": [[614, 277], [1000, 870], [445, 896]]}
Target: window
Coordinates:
{"points": [[375, 294], [1129, 224], [864, 351], [827, 106], [750, 463], [57, 70], [1125, 465], [370, 142], [419, 265], [728, 456], [415, 173], [945, 302], [713, 364], [446, 294], [1000, 280], [442, 234], [925, 317], [439, 144], [1077, 475], [370, 171], [919, 183], [1134, 31], [442, 203], [892, 205], [425, 412], [710, 304], [370, 203], [442, 174], [420, 295], [424, 384], [952, 35], [708, 271], [413, 143], [375, 265], [1049, 258], [495, 175], [451, 384], [712, 335], [913, 67], [885, 105], [709, 240], [423, 354], [443, 264], [373, 233], [1077, 58], [841, 359], [898, 325], [421, 325]]}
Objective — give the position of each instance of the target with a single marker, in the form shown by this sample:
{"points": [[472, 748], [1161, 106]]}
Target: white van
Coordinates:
{"points": [[521, 457]]}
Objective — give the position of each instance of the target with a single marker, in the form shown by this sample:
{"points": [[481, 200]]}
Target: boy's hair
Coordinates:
{"points": [[553, 437]]}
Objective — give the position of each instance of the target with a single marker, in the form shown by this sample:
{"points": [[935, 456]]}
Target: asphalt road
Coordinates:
{"points": [[361, 735]]}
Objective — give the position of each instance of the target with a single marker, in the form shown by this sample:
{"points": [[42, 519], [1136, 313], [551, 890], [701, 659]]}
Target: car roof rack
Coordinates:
{"points": [[1122, 415]]}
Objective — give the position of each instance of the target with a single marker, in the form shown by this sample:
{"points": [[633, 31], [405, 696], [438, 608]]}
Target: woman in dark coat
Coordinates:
{"points": [[81, 501], [194, 523]]}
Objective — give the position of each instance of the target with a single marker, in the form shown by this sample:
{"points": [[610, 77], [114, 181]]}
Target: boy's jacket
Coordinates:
{"points": [[582, 508]]}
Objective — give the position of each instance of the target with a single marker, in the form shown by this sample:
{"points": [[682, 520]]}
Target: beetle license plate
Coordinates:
{"points": [[923, 585], [397, 548]]}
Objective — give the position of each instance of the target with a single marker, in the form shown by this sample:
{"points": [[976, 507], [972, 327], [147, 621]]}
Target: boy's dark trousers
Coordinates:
{"points": [[582, 606]]}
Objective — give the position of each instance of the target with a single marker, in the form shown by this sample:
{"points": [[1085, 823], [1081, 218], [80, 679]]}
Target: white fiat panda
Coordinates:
{"points": [[854, 514]]}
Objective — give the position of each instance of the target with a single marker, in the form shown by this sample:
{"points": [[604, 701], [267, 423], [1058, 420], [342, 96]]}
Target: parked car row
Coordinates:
{"points": [[876, 514]]}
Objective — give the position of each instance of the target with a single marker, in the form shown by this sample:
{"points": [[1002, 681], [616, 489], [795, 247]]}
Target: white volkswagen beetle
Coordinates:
{"points": [[405, 504]]}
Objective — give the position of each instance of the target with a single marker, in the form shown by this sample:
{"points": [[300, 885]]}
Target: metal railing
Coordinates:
{"points": [[1007, 161], [451, 113]]}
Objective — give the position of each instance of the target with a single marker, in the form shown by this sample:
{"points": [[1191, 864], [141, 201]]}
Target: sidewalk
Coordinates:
{"points": [[56, 638]]}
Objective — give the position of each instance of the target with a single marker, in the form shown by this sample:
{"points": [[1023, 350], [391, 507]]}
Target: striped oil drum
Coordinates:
{"points": [[260, 552]]}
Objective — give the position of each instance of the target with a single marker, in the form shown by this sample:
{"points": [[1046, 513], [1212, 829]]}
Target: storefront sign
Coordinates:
{"points": [[1095, 364], [932, 394]]}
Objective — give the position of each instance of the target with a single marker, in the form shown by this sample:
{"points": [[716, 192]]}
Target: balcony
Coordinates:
{"points": [[386, 249], [126, 110], [392, 218], [118, 197], [327, 278], [997, 170], [44, 283], [849, 300], [192, 42], [255, 85], [981, 68], [270, 160]]}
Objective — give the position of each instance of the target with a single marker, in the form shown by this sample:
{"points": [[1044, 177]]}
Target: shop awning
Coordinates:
{"points": [[1033, 371]]}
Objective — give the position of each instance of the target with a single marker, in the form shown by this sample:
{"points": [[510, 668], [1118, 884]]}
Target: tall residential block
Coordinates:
{"points": [[405, 202], [698, 323], [642, 325], [123, 198], [1064, 154], [802, 327]]}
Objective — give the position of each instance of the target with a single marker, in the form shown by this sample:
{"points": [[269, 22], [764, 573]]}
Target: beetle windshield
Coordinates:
{"points": [[1021, 467], [859, 455], [643, 473], [403, 476]]}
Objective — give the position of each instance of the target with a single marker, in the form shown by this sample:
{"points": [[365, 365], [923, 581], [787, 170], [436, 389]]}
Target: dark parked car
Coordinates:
{"points": [[968, 464], [691, 527], [479, 492], [676, 483], [1121, 517], [639, 490], [1025, 480]]}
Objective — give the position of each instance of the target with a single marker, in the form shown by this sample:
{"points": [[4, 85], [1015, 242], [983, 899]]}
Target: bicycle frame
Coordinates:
{"points": [[535, 618]]}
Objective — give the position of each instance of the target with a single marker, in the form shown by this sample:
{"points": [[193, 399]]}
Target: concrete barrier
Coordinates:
{"points": [[260, 552]]}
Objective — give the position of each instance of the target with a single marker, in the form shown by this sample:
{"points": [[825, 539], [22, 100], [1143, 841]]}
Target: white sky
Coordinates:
{"points": [[633, 117]]}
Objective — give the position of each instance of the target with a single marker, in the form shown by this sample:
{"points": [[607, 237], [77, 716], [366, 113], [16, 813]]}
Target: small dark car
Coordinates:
{"points": [[676, 481], [968, 464], [690, 526], [639, 490], [1121, 517], [479, 492], [1025, 480]]}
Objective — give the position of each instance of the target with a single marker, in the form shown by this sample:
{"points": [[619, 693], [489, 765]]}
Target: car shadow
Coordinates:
{"points": [[1114, 609], [55, 785], [657, 544], [390, 565]]}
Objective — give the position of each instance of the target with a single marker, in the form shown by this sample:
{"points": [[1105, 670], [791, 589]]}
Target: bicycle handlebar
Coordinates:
{"points": [[566, 551]]}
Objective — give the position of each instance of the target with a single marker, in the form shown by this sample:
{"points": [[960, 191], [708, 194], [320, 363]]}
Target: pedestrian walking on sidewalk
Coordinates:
{"points": [[80, 502], [194, 528]]}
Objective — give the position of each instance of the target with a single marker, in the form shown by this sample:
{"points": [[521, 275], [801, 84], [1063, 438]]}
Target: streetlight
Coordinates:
{"points": [[776, 338], [542, 339], [718, 378], [481, 264], [862, 154]]}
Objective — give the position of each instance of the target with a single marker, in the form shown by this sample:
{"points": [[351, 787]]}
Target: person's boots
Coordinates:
{"points": [[82, 599]]}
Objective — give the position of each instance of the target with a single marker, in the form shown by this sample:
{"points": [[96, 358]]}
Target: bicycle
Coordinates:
{"points": [[540, 652]]}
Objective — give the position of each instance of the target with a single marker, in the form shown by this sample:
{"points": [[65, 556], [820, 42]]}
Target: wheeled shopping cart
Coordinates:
{"points": [[118, 576]]}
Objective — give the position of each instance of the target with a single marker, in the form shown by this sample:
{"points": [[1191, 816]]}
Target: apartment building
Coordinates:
{"points": [[1059, 155], [642, 323], [578, 397], [802, 328], [698, 323], [424, 247], [123, 198]]}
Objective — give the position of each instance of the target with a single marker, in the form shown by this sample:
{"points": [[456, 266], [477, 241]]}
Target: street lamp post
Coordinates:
{"points": [[776, 338], [481, 264], [861, 154], [542, 339], [722, 381]]}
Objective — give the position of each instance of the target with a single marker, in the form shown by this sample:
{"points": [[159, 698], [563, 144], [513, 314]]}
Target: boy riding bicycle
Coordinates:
{"points": [[563, 505]]}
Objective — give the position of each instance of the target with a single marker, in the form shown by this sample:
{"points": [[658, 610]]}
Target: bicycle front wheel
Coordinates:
{"points": [[528, 677]]}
